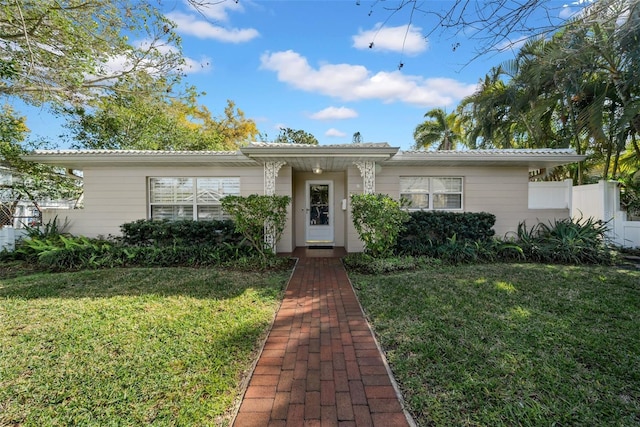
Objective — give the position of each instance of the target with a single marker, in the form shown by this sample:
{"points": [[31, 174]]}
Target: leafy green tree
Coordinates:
{"points": [[73, 51], [292, 136], [442, 129], [129, 119], [576, 89]]}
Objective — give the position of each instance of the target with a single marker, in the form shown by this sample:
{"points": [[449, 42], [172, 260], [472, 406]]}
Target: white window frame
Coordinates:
{"points": [[430, 192], [191, 198]]}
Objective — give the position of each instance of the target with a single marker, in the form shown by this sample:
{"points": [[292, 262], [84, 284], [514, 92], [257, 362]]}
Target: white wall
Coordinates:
{"points": [[601, 201]]}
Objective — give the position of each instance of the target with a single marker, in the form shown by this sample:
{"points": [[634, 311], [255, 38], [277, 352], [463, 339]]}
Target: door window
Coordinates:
{"points": [[319, 204]]}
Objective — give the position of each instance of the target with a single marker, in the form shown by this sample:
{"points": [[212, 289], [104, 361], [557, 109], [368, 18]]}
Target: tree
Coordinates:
{"points": [[576, 89], [235, 129], [441, 129], [485, 114], [66, 52], [291, 136], [129, 119]]}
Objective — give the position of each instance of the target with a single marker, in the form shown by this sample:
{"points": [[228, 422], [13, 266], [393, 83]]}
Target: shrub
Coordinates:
{"points": [[257, 216], [565, 241], [378, 219], [427, 231], [145, 232], [64, 252]]}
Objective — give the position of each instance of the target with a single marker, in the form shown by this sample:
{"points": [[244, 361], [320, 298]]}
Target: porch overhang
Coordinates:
{"points": [[327, 158]]}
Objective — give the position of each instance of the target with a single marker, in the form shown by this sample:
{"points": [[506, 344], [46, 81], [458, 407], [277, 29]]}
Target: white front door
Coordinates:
{"points": [[319, 212]]}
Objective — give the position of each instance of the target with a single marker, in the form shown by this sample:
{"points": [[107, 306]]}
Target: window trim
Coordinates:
{"points": [[192, 200], [430, 193]]}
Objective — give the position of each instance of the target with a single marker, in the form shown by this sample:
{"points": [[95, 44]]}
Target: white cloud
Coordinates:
{"points": [[334, 113], [354, 82], [405, 38], [203, 29], [334, 133]]}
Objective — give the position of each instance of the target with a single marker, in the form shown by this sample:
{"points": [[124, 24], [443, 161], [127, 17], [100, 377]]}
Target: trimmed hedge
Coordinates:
{"points": [[427, 230], [145, 232]]}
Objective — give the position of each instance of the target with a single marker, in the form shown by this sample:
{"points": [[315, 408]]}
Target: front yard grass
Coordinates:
{"points": [[511, 345], [163, 346]]}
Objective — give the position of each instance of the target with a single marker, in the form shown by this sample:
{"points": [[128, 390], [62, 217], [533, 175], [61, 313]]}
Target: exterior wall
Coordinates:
{"points": [[116, 195], [284, 187], [299, 205], [354, 186], [503, 192]]}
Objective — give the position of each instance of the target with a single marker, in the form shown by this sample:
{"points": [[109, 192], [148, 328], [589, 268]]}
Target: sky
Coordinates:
{"points": [[330, 68]]}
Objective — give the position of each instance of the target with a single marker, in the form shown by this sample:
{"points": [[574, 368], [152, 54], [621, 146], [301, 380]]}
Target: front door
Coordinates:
{"points": [[319, 212]]}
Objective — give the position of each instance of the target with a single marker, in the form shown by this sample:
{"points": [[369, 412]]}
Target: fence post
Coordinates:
{"points": [[568, 194], [7, 238]]}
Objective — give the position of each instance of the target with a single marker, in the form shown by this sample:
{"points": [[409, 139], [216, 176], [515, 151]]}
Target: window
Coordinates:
{"points": [[432, 193], [190, 198]]}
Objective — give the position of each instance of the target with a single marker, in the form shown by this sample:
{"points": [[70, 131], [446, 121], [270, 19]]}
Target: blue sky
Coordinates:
{"points": [[307, 64]]}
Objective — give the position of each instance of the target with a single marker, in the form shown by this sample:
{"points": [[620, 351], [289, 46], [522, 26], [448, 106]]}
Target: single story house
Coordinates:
{"points": [[125, 185]]}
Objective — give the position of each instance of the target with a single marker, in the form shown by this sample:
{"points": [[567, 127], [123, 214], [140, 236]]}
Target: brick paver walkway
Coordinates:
{"points": [[320, 365]]}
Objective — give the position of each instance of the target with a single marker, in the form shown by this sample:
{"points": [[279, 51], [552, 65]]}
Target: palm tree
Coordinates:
{"points": [[486, 113], [442, 129]]}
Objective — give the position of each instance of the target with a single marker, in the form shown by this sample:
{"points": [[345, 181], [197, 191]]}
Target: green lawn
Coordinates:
{"points": [[511, 345], [165, 346]]}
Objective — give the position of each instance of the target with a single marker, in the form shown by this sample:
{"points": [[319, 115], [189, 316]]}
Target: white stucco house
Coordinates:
{"points": [[124, 186]]}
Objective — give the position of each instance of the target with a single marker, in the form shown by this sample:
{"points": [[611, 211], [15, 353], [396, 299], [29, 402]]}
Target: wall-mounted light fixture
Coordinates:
{"points": [[317, 170]]}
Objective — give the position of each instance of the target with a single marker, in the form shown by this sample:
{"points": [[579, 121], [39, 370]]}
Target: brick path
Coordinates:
{"points": [[320, 365]]}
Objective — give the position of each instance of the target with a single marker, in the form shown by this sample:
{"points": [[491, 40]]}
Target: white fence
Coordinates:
{"points": [[550, 195], [601, 201]]}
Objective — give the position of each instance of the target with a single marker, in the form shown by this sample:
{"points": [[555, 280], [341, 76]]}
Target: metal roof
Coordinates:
{"points": [[306, 157]]}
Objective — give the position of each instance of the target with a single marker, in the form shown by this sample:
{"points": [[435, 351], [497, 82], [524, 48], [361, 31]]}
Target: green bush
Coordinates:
{"points": [[379, 220], [145, 232], [257, 216], [145, 243], [430, 232], [59, 253], [565, 241]]}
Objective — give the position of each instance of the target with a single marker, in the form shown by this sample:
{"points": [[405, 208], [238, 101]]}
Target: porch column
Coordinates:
{"points": [[368, 174], [271, 170]]}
